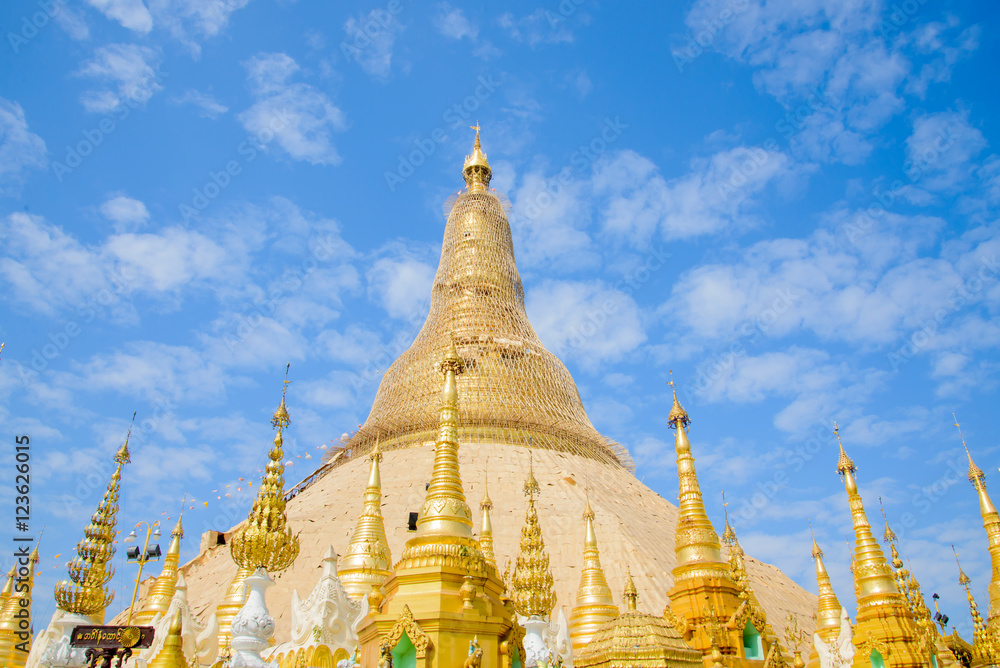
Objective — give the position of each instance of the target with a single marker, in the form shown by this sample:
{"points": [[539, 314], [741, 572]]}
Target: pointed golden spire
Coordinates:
{"points": [[991, 523], [162, 591], [266, 541], [477, 170], [828, 607], [979, 641], [445, 511], [171, 655], [631, 594], [696, 541], [486, 532], [594, 604], [86, 593], [531, 584], [15, 598], [368, 561], [872, 576]]}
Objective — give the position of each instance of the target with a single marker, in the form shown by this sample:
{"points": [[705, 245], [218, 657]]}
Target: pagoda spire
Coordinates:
{"points": [[171, 654], [86, 591], [531, 582], [486, 530], [265, 540], [828, 609], [14, 646], [594, 605], [368, 561], [983, 645], [162, 591], [696, 542], [991, 523], [445, 511], [476, 170], [884, 618]]}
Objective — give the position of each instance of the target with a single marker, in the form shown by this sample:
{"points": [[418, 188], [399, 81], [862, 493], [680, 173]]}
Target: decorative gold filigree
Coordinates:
{"points": [[406, 624]]}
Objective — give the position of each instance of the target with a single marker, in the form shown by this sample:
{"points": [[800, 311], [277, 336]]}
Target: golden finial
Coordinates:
{"points": [[588, 514], [631, 594], [976, 474], [888, 535], [963, 579], [844, 463], [816, 552], [368, 562], [594, 603], [266, 541], [728, 535], [677, 413], [531, 583], [531, 488], [171, 654], [476, 171], [486, 528], [86, 593]]}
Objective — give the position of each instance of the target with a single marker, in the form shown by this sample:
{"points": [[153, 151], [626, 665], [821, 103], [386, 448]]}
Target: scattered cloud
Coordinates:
{"points": [[20, 149], [126, 213], [452, 22], [190, 20], [128, 73], [131, 14], [401, 282], [370, 41], [208, 106], [536, 28]]}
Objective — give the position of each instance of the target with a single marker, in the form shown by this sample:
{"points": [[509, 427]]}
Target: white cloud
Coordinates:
{"points": [[585, 320], [452, 22], [209, 107], [125, 212], [402, 285], [20, 149], [370, 41], [128, 72], [941, 151], [131, 14], [536, 28], [299, 117], [188, 20]]}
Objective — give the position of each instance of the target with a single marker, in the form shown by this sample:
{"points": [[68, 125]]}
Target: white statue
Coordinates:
{"points": [[328, 617], [199, 641], [840, 653], [52, 650], [253, 625], [536, 652]]}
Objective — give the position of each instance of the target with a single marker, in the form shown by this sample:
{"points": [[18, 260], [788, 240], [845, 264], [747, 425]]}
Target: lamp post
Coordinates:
{"points": [[147, 554]]}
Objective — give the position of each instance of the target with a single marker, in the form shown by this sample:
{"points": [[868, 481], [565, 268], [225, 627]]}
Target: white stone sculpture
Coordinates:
{"points": [[840, 653], [253, 625]]}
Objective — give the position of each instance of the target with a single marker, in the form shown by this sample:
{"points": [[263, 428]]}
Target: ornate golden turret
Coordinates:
{"points": [[828, 608], [171, 655], [984, 648], [16, 597], [531, 582], [753, 610], [486, 531], [86, 593], [367, 562], [594, 605], [266, 540], [991, 523], [907, 584], [514, 391], [884, 622], [158, 599]]}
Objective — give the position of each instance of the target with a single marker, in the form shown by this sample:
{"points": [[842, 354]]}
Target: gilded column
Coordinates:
{"points": [[884, 621], [594, 605], [158, 599], [828, 609], [367, 562], [14, 647]]}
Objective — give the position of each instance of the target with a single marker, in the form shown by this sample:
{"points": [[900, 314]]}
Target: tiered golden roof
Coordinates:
{"points": [[531, 583], [368, 561], [514, 391], [637, 639], [266, 541], [594, 605], [162, 591], [86, 593], [16, 596]]}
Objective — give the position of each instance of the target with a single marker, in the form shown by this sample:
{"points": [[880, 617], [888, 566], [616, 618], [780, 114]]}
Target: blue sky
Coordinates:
{"points": [[793, 205]]}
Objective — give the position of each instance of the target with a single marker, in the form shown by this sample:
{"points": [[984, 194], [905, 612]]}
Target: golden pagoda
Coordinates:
{"points": [[368, 561], [171, 655], [594, 605], [519, 404], [991, 523], [486, 528], [828, 611], [637, 639], [984, 648], [86, 592], [885, 633], [531, 582], [162, 591], [15, 614], [704, 597], [443, 596], [265, 540]]}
